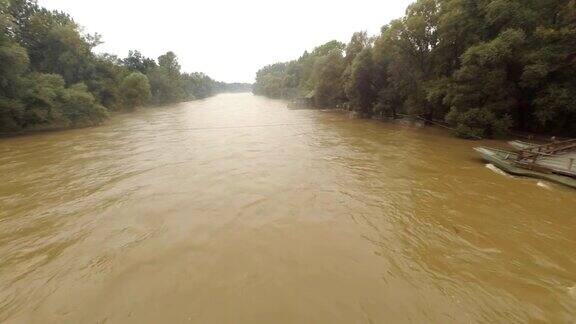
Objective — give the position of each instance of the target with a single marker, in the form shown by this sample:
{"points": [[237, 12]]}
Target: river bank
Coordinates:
{"points": [[421, 122], [110, 115]]}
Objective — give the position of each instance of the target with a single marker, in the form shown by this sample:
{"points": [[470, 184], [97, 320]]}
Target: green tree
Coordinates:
{"points": [[135, 90], [360, 88], [106, 73], [486, 67], [81, 108], [43, 99], [13, 63], [51, 78], [329, 90], [484, 89], [166, 81], [270, 81], [198, 85], [137, 62]]}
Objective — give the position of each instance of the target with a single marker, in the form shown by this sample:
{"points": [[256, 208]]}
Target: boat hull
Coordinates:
{"points": [[504, 161]]}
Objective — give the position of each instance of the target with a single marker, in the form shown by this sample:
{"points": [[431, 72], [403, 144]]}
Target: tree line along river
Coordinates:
{"points": [[235, 209]]}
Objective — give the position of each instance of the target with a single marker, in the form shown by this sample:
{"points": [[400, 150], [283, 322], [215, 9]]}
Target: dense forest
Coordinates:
{"points": [[485, 67], [50, 76], [234, 87]]}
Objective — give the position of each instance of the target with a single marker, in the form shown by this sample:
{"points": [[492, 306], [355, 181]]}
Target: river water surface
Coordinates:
{"points": [[237, 210]]}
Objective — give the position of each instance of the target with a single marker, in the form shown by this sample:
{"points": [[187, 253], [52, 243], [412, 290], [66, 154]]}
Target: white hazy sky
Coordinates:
{"points": [[226, 39]]}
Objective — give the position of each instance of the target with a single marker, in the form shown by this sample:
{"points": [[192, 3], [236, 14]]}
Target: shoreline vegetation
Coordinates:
{"points": [[51, 79], [484, 68]]}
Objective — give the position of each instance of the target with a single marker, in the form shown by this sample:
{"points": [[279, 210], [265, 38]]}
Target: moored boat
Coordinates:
{"points": [[520, 145], [509, 162]]}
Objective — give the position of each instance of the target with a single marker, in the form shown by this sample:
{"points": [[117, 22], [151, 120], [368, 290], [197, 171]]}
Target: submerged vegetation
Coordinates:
{"points": [[50, 76], [486, 67]]}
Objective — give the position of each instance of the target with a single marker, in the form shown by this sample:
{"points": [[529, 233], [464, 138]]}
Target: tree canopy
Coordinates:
{"points": [[50, 76], [485, 67]]}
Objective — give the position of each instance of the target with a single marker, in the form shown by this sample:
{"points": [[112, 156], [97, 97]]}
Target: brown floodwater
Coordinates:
{"points": [[235, 209]]}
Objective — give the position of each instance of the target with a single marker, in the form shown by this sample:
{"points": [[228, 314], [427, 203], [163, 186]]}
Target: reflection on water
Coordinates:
{"points": [[237, 210]]}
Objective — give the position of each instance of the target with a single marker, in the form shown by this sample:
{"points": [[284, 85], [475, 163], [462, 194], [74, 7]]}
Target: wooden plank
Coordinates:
{"points": [[558, 157]]}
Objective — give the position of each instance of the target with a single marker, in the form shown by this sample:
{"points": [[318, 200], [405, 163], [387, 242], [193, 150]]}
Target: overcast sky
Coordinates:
{"points": [[226, 39]]}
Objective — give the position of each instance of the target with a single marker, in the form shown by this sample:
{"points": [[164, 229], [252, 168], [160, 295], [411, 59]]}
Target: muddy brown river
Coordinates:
{"points": [[235, 209]]}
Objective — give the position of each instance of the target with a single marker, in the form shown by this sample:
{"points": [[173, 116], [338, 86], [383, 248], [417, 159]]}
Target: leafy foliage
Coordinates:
{"points": [[485, 67], [135, 89], [51, 78]]}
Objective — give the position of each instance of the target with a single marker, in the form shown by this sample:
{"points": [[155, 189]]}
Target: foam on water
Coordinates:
{"points": [[495, 169], [544, 185], [572, 291]]}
